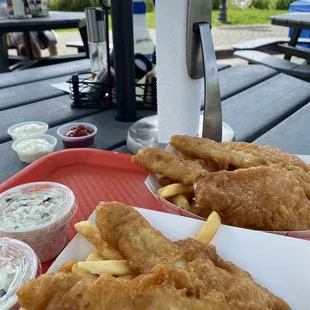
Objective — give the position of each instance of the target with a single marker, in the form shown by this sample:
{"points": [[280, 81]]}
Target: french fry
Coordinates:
{"points": [[67, 267], [164, 181], [94, 257], [209, 228], [92, 234], [181, 201], [115, 267], [174, 189], [82, 273]]}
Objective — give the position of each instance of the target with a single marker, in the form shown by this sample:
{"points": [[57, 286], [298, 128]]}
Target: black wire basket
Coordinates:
{"points": [[85, 93]]}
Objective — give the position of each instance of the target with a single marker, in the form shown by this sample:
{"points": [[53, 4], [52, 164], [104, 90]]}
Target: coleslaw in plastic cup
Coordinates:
{"points": [[38, 214], [18, 264]]}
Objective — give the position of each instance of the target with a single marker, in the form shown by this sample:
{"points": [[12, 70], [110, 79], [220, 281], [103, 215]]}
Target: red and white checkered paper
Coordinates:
{"points": [[153, 186]]}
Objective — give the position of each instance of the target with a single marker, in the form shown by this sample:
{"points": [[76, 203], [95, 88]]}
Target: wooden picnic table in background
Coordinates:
{"points": [[55, 20], [256, 101]]}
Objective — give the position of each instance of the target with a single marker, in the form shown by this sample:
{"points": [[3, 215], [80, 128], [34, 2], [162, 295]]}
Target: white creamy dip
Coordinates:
{"points": [[33, 145], [18, 263], [9, 270], [23, 210], [38, 214], [28, 129]]}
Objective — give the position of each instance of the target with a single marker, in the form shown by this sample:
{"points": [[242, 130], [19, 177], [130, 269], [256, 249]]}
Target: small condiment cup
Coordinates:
{"points": [[22, 258], [31, 156], [76, 142], [45, 230], [16, 136]]}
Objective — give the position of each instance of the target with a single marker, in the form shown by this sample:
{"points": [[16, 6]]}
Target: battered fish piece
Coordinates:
{"points": [[169, 288], [260, 198], [158, 161], [147, 248], [37, 294], [236, 155], [162, 289], [142, 246], [182, 275], [238, 286], [49, 293]]}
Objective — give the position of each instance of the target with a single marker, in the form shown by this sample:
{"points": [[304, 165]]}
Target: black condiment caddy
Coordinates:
{"points": [[85, 93]]}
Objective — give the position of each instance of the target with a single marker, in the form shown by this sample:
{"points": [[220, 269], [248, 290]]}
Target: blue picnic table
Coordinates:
{"points": [[261, 105]]}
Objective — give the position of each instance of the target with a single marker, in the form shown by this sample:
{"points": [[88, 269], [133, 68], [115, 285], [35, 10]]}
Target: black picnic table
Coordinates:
{"points": [[260, 104], [297, 21], [55, 20]]}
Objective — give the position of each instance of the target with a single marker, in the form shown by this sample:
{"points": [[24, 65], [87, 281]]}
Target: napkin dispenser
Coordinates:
{"points": [[201, 62]]}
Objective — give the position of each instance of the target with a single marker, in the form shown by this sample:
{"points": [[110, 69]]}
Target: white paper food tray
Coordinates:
{"points": [[280, 264]]}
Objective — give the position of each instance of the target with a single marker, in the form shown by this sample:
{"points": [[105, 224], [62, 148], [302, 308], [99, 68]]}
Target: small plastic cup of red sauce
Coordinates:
{"points": [[75, 135]]}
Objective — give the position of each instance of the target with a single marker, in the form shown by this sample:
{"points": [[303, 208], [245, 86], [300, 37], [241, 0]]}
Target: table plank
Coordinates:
{"points": [[15, 78], [18, 95], [15, 96], [296, 20], [256, 110], [55, 20], [221, 67], [105, 122], [291, 135], [53, 111], [239, 78]]}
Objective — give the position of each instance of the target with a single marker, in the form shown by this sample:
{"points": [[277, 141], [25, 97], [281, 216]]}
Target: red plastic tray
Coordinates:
{"points": [[94, 176]]}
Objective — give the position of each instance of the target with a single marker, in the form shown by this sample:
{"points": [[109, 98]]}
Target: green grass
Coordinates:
{"points": [[247, 16], [235, 17]]}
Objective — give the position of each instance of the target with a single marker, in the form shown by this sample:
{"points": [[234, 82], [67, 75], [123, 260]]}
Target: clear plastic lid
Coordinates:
{"points": [[18, 264], [34, 206]]}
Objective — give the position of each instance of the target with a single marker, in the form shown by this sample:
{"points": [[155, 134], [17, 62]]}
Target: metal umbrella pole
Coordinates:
{"points": [[122, 28]]}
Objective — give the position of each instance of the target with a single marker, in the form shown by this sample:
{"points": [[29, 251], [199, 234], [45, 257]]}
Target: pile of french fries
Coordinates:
{"points": [[107, 259], [177, 193]]}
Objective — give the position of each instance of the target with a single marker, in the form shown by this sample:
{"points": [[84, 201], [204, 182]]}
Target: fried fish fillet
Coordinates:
{"points": [[203, 281], [127, 230], [48, 292], [158, 161], [145, 248], [162, 289], [261, 198], [236, 155], [50, 287], [238, 286]]}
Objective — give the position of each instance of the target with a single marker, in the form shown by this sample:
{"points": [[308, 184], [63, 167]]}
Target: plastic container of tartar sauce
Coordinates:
{"points": [[38, 214], [25, 129], [31, 148], [18, 264]]}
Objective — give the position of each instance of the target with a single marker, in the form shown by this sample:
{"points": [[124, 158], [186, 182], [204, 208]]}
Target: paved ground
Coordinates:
{"points": [[223, 37]]}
